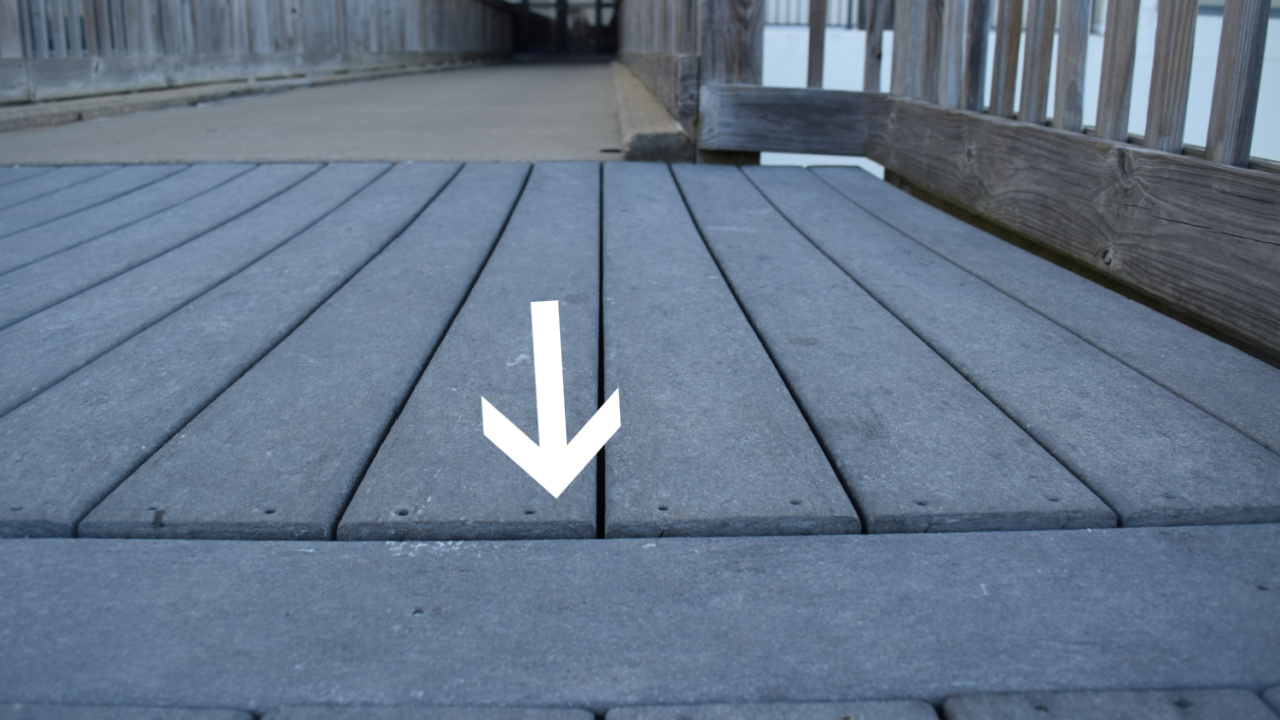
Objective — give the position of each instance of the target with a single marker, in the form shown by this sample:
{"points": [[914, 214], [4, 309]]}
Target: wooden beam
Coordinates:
{"points": [[1201, 236], [1171, 74], [1118, 51], [731, 46], [748, 118], [1004, 69], [1198, 235], [1073, 47], [1041, 19], [878, 17], [1235, 89], [817, 40]]}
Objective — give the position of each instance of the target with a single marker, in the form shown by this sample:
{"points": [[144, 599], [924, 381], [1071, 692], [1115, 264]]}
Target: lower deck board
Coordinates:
{"points": [[54, 180], [71, 445], [294, 434], [1141, 448], [605, 623], [920, 448], [81, 196], [437, 476], [1238, 389], [694, 376]]}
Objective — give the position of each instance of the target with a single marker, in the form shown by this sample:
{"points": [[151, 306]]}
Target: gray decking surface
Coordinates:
{"points": [[296, 354]]}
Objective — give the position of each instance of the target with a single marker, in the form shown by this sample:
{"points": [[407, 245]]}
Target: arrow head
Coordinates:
{"points": [[554, 468]]}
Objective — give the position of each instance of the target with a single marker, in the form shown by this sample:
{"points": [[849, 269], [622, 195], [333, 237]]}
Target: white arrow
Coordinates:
{"points": [[555, 462]]}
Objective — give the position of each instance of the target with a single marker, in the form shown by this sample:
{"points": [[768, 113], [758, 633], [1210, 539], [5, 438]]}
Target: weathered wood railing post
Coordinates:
{"points": [[731, 52], [817, 40]]}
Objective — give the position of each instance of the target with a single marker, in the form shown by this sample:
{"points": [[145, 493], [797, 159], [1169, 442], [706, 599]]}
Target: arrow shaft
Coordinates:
{"points": [[548, 374]]}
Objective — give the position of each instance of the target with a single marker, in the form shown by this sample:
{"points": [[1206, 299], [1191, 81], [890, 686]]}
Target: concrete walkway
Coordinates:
{"points": [[507, 112]]}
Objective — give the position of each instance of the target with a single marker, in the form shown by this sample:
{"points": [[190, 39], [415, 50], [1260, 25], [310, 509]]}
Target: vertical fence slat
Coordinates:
{"points": [[1171, 74], [877, 18], [978, 27], [951, 56], [929, 83], [1037, 61], [911, 55], [58, 27], [89, 16], [11, 45], [1004, 71], [1235, 87], [75, 28], [1073, 48], [817, 40], [1119, 49]]}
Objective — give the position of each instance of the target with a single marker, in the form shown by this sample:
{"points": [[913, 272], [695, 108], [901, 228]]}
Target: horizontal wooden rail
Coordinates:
{"points": [[1198, 235]]}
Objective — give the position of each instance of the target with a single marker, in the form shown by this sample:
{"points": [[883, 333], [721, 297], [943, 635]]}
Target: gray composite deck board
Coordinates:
{"points": [[43, 283], [1238, 389], [53, 181], [46, 347], [436, 475], [712, 442], [295, 433], [18, 173], [425, 713], [867, 710], [918, 446], [1272, 696], [18, 711], [1141, 448], [79, 197], [1131, 705], [611, 623], [62, 452], [67, 232]]}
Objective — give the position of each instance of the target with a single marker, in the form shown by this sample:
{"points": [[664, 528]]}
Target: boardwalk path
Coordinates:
{"points": [[285, 356]]}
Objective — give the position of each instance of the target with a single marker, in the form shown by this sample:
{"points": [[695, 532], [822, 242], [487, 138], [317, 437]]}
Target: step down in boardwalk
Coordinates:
{"points": [[599, 624], [299, 352]]}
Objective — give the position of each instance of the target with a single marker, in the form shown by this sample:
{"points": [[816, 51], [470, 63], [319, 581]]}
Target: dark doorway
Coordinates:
{"points": [[566, 27]]}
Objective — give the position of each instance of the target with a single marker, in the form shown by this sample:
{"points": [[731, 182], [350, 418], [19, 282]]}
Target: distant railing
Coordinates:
{"points": [[840, 13], [1196, 228], [66, 48]]}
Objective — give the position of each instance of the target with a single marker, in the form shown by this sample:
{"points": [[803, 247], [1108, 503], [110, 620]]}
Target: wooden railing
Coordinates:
{"points": [[67, 48], [1196, 228]]}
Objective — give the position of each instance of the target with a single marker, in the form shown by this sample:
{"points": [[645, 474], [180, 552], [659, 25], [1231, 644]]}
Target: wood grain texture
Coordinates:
{"points": [[747, 118], [977, 28], [1198, 235], [817, 40], [1073, 48], [1201, 236], [732, 42], [1036, 62], [731, 51], [1118, 50], [878, 14], [673, 80], [1004, 69], [1171, 74], [1235, 88], [780, 119]]}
